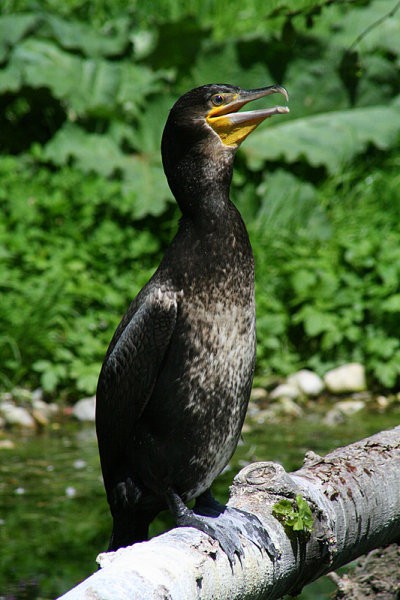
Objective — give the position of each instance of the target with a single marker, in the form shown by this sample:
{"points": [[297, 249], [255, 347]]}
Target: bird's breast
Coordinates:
{"points": [[202, 391], [208, 391], [219, 349]]}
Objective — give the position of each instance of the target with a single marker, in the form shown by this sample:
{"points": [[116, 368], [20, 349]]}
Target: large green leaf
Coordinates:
{"points": [[289, 204], [256, 16], [375, 26], [144, 185], [314, 85], [145, 135], [10, 78], [178, 44], [69, 34], [13, 28], [88, 151], [76, 35], [95, 87], [328, 140], [221, 64]]}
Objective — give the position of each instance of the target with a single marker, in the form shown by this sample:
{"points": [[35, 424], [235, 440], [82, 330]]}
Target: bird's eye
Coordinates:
{"points": [[217, 99]]}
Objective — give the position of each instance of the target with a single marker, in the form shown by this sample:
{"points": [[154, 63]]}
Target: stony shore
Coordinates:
{"points": [[344, 390]]}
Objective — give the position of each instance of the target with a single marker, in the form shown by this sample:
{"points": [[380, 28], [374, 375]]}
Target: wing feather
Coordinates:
{"points": [[130, 370]]}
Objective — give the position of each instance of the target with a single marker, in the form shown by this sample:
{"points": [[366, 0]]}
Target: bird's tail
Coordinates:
{"points": [[133, 509], [129, 526]]}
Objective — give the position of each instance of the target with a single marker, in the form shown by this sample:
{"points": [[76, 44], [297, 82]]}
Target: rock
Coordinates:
{"points": [[40, 418], [308, 382], [285, 390], [287, 407], [46, 410], [7, 445], [258, 394], [333, 417], [253, 409], [84, 410], [246, 428], [345, 408], [284, 407], [21, 395], [346, 379], [16, 415], [350, 407], [383, 402], [265, 416], [37, 395]]}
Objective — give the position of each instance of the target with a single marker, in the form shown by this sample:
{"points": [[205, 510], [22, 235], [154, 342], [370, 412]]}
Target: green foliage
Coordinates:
{"points": [[241, 18], [328, 279], [85, 89], [67, 250], [295, 514], [329, 140]]}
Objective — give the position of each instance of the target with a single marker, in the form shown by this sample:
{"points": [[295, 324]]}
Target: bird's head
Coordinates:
{"points": [[214, 110], [204, 129]]}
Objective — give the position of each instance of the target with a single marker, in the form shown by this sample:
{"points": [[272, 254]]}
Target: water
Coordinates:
{"points": [[54, 518]]}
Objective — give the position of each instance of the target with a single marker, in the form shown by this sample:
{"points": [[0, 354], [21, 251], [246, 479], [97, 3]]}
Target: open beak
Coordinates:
{"points": [[232, 126]]}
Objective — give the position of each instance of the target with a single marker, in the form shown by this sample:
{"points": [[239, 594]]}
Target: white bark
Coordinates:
{"points": [[354, 493]]}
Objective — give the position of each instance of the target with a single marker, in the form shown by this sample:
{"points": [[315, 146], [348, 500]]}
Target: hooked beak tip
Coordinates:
{"points": [[279, 89], [285, 94]]}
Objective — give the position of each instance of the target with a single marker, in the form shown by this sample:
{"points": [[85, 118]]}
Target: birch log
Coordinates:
{"points": [[354, 494]]}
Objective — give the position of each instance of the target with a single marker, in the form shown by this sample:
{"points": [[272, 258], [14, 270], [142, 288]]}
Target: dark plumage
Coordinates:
{"points": [[176, 380]]}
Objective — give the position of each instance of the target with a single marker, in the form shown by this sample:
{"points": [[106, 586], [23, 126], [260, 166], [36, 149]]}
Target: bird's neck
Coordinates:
{"points": [[200, 183]]}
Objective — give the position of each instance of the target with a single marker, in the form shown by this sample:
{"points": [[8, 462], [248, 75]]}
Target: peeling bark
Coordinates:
{"points": [[354, 494], [375, 576]]}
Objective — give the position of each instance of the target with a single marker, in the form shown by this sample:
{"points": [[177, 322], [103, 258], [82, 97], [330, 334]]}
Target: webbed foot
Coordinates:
{"points": [[225, 524]]}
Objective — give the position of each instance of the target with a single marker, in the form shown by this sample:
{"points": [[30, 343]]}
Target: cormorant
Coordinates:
{"points": [[176, 380]]}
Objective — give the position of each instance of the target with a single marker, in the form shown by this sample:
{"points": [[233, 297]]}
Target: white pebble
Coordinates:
{"points": [[285, 390], [346, 379], [308, 382]]}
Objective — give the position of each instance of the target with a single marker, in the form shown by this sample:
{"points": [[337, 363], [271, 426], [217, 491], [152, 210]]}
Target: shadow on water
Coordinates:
{"points": [[53, 514]]}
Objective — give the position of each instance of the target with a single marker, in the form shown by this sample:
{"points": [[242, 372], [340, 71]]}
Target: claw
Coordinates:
{"points": [[224, 524]]}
